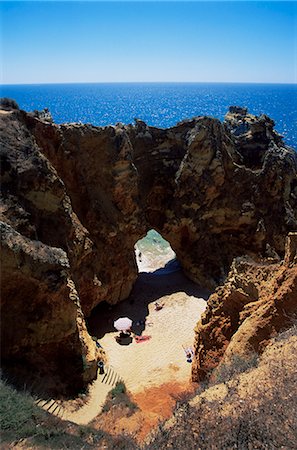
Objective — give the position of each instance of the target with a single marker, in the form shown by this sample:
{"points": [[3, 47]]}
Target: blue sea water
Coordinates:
{"points": [[158, 104]]}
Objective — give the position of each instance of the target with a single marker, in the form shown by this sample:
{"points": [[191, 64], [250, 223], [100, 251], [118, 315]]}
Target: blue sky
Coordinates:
{"points": [[52, 42]]}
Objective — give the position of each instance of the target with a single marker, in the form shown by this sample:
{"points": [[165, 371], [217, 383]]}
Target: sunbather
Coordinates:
{"points": [[139, 339], [158, 306]]}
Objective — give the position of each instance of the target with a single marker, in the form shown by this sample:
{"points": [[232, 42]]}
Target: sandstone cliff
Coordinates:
{"points": [[42, 324], [76, 198], [257, 301]]}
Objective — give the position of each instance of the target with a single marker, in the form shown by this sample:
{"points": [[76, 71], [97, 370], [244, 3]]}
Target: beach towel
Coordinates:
{"points": [[139, 339]]}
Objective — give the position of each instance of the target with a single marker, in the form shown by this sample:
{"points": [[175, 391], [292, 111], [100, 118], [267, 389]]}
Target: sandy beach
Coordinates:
{"points": [[160, 361], [161, 358]]}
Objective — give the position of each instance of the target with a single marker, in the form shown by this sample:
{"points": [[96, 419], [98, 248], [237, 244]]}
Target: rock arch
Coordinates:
{"points": [[189, 182], [94, 192], [153, 252]]}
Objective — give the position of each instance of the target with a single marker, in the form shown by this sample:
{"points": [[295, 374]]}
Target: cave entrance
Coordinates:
{"points": [[153, 252]]}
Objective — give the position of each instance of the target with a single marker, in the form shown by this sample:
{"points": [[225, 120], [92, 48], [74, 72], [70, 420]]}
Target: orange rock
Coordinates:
{"points": [[257, 301], [76, 198]]}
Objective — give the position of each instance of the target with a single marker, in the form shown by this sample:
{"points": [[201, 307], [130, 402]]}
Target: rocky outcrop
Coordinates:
{"points": [[212, 192], [87, 194], [50, 321], [42, 324], [199, 189], [257, 301], [96, 167]]}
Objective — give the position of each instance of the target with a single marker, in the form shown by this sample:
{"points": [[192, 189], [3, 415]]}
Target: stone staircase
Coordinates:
{"points": [[51, 406], [110, 378]]}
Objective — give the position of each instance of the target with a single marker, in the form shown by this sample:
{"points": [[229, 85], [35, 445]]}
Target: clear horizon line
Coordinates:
{"points": [[148, 82]]}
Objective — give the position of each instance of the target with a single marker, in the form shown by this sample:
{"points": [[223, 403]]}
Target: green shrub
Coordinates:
{"points": [[119, 396], [18, 414], [119, 388]]}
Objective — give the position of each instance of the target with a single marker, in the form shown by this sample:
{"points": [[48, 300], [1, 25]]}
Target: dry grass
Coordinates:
{"points": [[258, 410], [25, 425]]}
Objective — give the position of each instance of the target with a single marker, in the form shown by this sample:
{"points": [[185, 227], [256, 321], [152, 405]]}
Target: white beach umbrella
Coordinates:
{"points": [[123, 324]]}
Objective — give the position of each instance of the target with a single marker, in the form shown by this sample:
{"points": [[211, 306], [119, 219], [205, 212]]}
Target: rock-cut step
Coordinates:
{"points": [[51, 406], [96, 399], [110, 377]]}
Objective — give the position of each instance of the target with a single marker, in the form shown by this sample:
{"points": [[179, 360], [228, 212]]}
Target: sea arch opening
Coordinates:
{"points": [[153, 253]]}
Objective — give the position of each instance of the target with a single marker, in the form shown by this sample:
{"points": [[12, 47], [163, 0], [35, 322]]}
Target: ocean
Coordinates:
{"points": [[158, 104]]}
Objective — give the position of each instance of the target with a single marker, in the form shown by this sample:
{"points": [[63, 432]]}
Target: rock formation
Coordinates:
{"points": [[257, 301], [43, 326], [76, 198]]}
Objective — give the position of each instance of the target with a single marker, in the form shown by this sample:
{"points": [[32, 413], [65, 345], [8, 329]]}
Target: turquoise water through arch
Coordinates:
{"points": [[153, 252]]}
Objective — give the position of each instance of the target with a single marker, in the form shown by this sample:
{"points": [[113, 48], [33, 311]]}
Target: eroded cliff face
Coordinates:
{"points": [[96, 167], [42, 325], [86, 194], [257, 301], [214, 193]]}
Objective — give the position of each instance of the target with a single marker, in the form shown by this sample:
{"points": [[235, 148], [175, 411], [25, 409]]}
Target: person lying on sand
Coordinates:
{"points": [[143, 323], [158, 306], [139, 339]]}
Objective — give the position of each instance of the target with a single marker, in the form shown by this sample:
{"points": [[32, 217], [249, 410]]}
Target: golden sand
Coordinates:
{"points": [[159, 360]]}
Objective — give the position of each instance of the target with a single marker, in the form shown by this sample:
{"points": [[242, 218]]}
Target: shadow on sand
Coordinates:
{"points": [[126, 340], [149, 287]]}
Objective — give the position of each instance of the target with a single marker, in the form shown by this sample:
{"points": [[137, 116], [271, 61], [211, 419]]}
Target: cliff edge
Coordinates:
{"points": [[76, 198], [257, 301]]}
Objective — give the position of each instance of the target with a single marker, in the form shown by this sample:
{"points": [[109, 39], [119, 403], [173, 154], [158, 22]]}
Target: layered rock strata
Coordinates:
{"points": [[257, 301], [85, 195]]}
